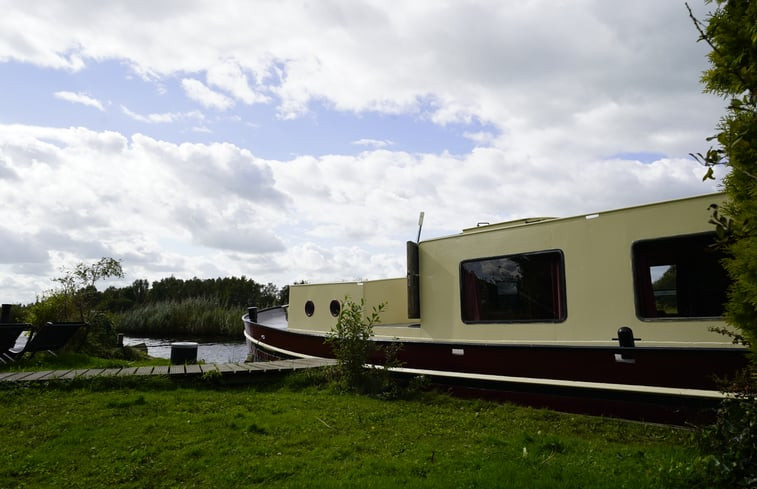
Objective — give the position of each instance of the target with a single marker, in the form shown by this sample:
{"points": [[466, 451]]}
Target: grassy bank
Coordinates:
{"points": [[189, 317], [74, 360], [154, 433]]}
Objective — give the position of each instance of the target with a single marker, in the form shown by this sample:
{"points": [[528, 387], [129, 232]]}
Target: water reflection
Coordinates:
{"points": [[210, 351]]}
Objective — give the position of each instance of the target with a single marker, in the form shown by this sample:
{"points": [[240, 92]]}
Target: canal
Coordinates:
{"points": [[209, 350]]}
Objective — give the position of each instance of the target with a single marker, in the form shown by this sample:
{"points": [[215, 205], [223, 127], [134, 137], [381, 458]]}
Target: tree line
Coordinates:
{"points": [[228, 292]]}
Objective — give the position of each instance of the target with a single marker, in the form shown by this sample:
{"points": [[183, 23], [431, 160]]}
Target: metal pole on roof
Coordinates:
{"points": [[420, 226]]}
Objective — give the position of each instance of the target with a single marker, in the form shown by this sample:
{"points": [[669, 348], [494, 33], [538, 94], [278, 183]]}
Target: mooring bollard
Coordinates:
{"points": [[183, 352], [252, 314]]}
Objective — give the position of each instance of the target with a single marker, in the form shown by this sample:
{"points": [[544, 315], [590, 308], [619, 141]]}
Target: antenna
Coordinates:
{"points": [[420, 226]]}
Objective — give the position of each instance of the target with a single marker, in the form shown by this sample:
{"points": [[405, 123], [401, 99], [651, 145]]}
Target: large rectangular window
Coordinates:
{"points": [[529, 287], [679, 277]]}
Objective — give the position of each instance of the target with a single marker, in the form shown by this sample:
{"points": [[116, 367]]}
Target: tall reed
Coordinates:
{"points": [[188, 317]]}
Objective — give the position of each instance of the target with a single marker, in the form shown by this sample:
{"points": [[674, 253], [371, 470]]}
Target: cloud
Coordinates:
{"points": [[163, 118], [229, 77], [588, 68], [198, 92], [80, 98], [183, 209], [21, 248], [481, 137], [374, 143], [93, 194], [544, 91]]}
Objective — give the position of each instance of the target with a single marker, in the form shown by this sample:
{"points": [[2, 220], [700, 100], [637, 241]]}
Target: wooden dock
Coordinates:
{"points": [[233, 371]]}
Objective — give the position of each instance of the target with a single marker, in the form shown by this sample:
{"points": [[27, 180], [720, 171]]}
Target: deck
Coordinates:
{"points": [[240, 371]]}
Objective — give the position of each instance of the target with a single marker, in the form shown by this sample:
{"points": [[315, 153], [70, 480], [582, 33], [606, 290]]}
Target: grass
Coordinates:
{"points": [[74, 360], [293, 433]]}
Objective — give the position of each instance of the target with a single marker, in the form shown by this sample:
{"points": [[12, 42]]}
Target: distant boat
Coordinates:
{"points": [[611, 312]]}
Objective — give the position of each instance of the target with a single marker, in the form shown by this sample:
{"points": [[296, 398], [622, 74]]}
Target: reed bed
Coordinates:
{"points": [[199, 316]]}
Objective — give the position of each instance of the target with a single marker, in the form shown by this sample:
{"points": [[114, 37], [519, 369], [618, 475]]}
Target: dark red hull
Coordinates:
{"points": [[615, 379]]}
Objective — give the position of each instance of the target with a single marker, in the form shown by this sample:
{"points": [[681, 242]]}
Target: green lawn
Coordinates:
{"points": [[71, 360], [156, 433]]}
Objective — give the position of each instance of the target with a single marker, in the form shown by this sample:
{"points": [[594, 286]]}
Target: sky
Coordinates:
{"points": [[299, 140]]}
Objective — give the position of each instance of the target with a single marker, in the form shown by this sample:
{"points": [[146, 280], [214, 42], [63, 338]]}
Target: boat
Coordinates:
{"points": [[616, 312]]}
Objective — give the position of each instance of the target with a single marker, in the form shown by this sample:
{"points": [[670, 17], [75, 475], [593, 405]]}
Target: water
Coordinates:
{"points": [[210, 351]]}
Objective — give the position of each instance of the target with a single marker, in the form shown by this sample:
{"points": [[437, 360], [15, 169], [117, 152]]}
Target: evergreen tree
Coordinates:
{"points": [[731, 32]]}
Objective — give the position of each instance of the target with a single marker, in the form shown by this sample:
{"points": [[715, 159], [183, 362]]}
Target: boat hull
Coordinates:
{"points": [[647, 383]]}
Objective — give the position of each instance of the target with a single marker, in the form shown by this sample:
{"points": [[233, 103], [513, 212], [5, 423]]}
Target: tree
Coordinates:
{"points": [[77, 297], [78, 284], [731, 32]]}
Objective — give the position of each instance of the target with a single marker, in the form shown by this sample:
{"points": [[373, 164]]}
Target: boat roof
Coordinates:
{"points": [[485, 227]]}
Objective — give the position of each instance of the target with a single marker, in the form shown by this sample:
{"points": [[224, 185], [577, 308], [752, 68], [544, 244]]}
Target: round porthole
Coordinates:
{"points": [[335, 307], [309, 308]]}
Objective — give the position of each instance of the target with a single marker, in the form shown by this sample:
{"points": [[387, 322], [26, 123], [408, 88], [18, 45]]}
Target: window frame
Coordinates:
{"points": [[637, 270], [561, 283]]}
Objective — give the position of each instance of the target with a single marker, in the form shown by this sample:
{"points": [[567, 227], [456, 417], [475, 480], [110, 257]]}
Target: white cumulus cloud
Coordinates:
{"points": [[199, 92], [80, 98]]}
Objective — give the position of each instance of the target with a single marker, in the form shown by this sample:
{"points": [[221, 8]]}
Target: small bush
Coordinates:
{"points": [[355, 351], [730, 444]]}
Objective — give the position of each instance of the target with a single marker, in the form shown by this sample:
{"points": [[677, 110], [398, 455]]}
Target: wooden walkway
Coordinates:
{"points": [[236, 371]]}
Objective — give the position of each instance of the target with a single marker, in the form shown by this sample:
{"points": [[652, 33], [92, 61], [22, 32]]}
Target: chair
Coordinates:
{"points": [[50, 337], [9, 334]]}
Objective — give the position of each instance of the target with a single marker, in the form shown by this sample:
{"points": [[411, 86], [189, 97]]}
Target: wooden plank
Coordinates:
{"points": [[3, 375], [176, 370], [208, 367], [193, 369], [257, 366], [57, 374], [301, 363], [280, 364], [224, 368], [160, 370], [37, 375], [72, 374], [110, 372], [143, 371], [236, 368], [246, 367], [92, 372], [17, 376]]}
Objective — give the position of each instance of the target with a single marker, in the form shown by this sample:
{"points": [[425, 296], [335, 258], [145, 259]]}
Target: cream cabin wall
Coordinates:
{"points": [[598, 275], [321, 296], [598, 272], [391, 292]]}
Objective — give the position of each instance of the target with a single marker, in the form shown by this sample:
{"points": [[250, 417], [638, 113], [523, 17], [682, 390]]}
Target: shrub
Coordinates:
{"points": [[355, 350], [730, 444]]}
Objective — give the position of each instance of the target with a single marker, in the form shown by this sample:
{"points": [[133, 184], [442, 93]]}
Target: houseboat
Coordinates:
{"points": [[613, 312]]}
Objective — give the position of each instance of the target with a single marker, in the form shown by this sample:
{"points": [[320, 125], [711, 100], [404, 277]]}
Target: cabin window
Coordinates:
{"points": [[528, 287], [335, 307], [679, 277], [309, 308]]}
